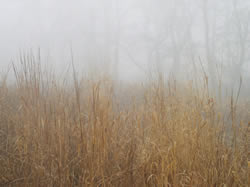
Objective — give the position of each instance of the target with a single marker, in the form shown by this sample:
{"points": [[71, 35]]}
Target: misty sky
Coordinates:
{"points": [[55, 26], [145, 31]]}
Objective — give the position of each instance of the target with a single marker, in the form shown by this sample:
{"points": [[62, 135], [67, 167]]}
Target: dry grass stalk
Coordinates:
{"points": [[56, 134]]}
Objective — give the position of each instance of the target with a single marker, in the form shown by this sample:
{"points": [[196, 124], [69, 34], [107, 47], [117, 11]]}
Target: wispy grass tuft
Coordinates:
{"points": [[80, 132]]}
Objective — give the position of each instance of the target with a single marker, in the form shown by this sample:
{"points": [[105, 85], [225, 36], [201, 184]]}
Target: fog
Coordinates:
{"points": [[133, 38]]}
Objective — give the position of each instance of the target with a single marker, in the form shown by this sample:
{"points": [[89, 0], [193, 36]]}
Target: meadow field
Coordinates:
{"points": [[79, 131]]}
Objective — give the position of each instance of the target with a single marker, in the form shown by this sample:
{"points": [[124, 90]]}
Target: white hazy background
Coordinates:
{"points": [[130, 38]]}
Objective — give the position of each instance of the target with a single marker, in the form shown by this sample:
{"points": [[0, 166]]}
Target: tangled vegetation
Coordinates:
{"points": [[93, 133]]}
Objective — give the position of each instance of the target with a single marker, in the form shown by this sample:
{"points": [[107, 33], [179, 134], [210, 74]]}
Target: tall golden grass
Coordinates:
{"points": [[84, 133]]}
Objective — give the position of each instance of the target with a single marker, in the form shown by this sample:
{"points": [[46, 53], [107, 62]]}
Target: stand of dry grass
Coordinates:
{"points": [[54, 133]]}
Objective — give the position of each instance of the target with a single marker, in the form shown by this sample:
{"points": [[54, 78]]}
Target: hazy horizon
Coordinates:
{"points": [[136, 36]]}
